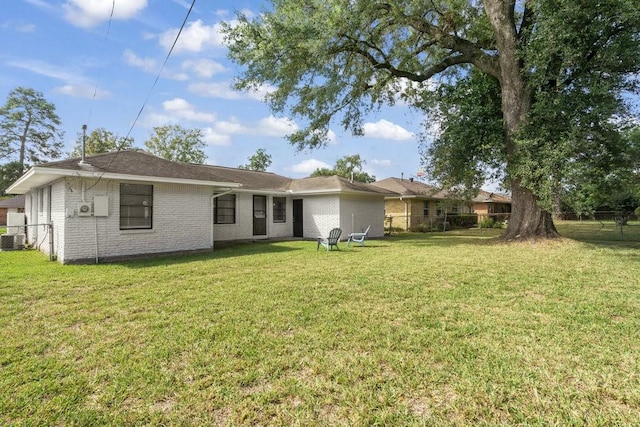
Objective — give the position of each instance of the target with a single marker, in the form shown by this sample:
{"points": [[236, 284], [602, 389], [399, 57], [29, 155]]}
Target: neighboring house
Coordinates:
{"points": [[129, 204], [416, 203], [13, 204], [492, 205]]}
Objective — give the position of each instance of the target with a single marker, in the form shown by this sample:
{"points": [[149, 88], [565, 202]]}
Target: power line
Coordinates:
{"points": [[104, 51], [155, 82], [166, 59]]}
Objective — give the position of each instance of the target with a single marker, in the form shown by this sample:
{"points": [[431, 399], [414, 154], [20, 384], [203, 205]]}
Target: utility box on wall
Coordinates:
{"points": [[101, 206]]}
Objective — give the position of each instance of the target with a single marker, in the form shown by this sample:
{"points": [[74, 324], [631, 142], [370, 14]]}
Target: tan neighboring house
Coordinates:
{"points": [[493, 205], [416, 204], [13, 204]]}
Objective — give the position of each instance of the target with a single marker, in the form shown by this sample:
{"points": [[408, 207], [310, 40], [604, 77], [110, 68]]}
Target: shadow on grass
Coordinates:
{"points": [[227, 250], [447, 239]]}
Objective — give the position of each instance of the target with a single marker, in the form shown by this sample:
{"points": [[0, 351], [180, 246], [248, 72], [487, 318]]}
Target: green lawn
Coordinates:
{"points": [[416, 329]]}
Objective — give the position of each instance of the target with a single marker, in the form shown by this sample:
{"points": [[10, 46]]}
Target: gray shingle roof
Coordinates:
{"points": [[407, 187], [250, 180], [334, 184], [143, 164], [410, 188], [13, 202], [136, 162]]}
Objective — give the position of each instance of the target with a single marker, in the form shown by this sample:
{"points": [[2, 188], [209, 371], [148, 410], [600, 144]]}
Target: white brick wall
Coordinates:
{"points": [[181, 222], [243, 228], [182, 219], [320, 215], [358, 212]]}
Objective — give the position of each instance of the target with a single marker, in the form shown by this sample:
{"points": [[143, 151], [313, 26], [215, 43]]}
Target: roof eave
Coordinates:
{"points": [[48, 175]]}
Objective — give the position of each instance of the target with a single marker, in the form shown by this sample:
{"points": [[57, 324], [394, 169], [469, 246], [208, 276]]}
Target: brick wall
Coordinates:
{"points": [[181, 222]]}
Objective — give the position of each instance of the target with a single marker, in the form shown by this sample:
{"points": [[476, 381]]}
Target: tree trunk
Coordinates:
{"points": [[23, 142], [527, 220]]}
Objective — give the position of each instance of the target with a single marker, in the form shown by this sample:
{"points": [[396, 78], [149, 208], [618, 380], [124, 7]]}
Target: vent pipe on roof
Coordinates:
{"points": [[84, 139]]}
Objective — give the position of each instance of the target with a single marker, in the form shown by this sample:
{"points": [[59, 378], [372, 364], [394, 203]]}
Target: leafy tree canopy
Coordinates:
{"points": [[173, 142], [99, 141], [29, 128], [9, 173], [348, 167], [260, 161], [611, 184], [561, 69]]}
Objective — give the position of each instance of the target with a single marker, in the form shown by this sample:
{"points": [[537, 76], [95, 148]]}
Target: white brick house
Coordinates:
{"points": [[129, 204]]}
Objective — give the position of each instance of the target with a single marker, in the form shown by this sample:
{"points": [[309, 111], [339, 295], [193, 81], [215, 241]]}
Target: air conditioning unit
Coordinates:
{"points": [[84, 209], [6, 242]]}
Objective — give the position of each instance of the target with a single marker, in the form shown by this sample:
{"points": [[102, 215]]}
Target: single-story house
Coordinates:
{"points": [[414, 203], [12, 204], [130, 203]]}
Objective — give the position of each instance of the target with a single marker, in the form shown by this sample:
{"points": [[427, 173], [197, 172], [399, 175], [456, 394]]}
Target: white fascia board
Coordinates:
{"points": [[18, 187], [400, 196], [264, 192], [336, 192]]}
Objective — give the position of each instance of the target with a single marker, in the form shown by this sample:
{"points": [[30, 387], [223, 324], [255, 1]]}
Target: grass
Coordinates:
{"points": [[417, 329]]}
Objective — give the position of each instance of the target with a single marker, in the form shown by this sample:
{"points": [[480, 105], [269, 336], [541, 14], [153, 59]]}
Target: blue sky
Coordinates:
{"points": [[100, 75]]}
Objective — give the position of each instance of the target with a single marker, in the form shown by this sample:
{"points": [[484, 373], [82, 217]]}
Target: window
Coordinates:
{"points": [[225, 209], [425, 209], [455, 210], [279, 209], [136, 206]]}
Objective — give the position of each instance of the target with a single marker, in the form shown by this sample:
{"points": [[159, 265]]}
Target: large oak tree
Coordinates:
{"points": [[565, 63]]}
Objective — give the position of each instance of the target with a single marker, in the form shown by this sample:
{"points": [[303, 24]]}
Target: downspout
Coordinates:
{"points": [[214, 196], [406, 213], [96, 230]]}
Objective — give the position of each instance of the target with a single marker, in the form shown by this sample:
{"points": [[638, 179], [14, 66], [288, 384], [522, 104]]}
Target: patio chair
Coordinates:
{"points": [[358, 238], [332, 240]]}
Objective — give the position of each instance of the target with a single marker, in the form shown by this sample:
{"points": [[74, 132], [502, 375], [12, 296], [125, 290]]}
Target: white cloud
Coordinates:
{"points": [[195, 36], [180, 108], [74, 83], [149, 65], [41, 4], [203, 67], [44, 69], [232, 127], [27, 28], [224, 90], [82, 91], [212, 137], [275, 126], [89, 13], [215, 90], [381, 162], [384, 129], [308, 166]]}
